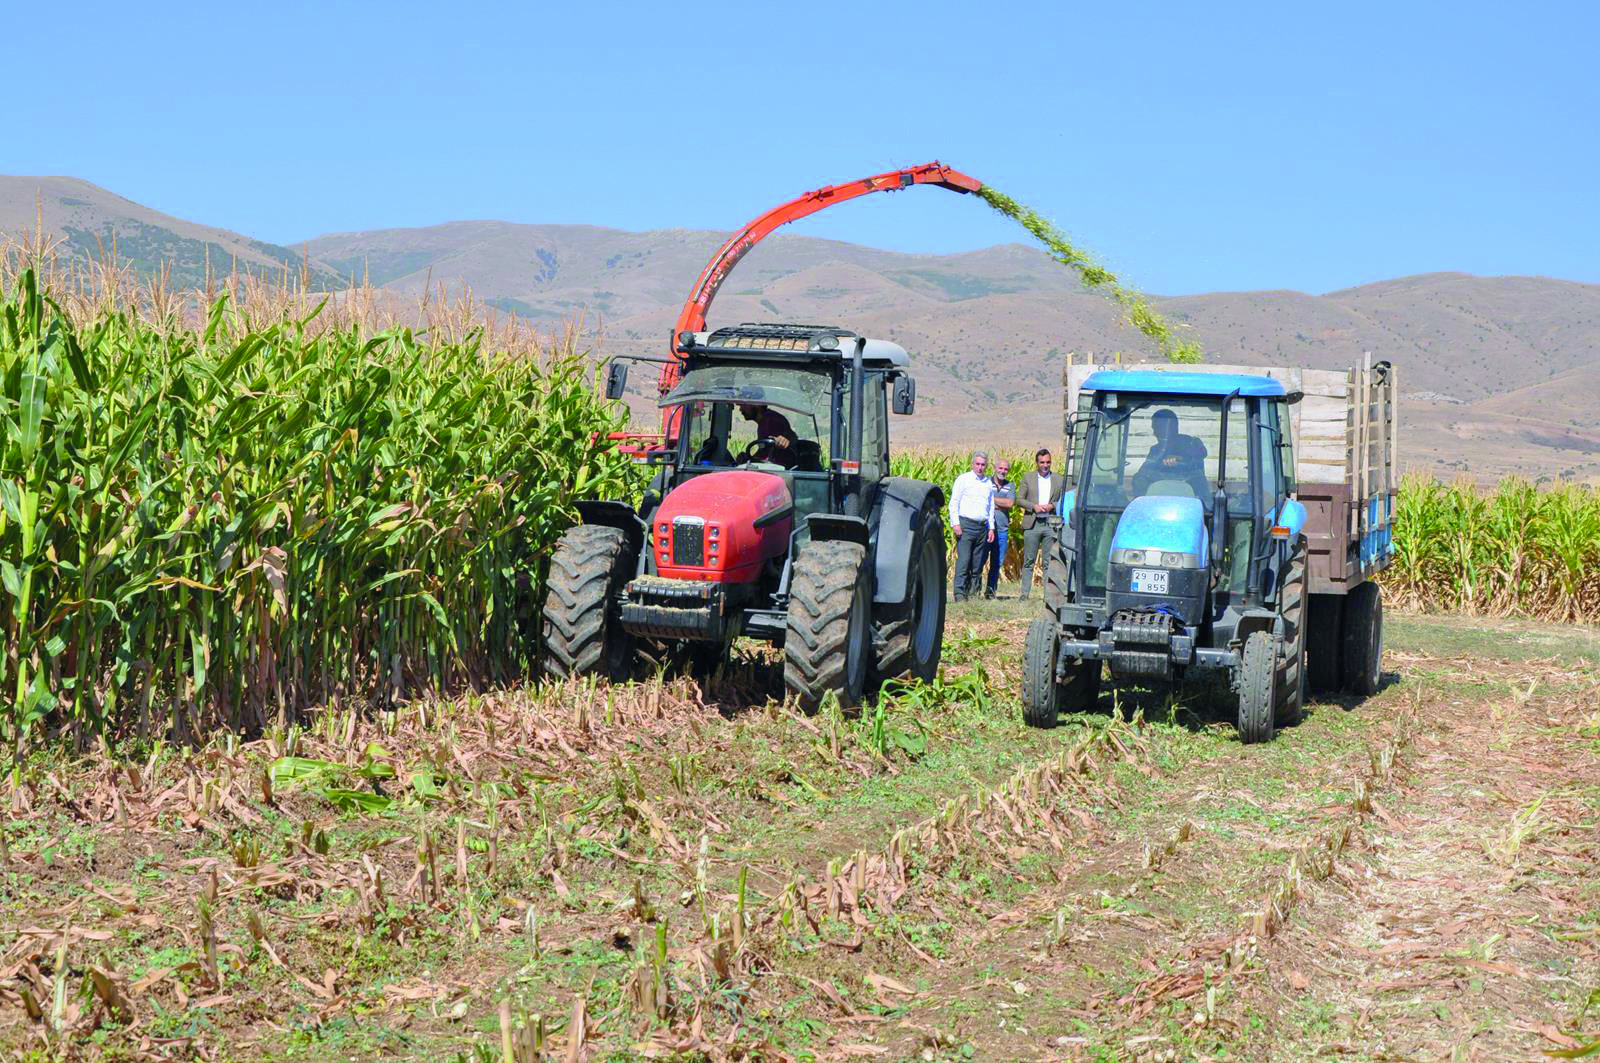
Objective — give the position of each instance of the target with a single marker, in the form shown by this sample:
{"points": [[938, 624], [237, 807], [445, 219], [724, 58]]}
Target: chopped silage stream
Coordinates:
{"points": [[1096, 277], [651, 871]]}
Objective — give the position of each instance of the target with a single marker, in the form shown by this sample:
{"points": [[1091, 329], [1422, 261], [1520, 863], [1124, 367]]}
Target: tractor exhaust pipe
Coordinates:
{"points": [[852, 502]]}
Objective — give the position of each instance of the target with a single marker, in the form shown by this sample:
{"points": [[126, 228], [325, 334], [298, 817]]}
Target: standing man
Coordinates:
{"points": [[972, 519], [1041, 490], [1005, 500]]}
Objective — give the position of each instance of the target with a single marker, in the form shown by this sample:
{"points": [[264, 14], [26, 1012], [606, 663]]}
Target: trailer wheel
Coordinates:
{"points": [[1292, 682], [829, 637], [1044, 699], [1324, 641], [581, 637], [910, 637], [1363, 639], [1258, 686]]}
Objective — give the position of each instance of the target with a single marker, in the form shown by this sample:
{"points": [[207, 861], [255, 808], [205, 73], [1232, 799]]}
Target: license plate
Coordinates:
{"points": [[1149, 581]]}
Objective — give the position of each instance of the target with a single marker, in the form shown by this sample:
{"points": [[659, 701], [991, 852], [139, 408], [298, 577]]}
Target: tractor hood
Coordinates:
{"points": [[1162, 522], [1159, 559], [722, 527]]}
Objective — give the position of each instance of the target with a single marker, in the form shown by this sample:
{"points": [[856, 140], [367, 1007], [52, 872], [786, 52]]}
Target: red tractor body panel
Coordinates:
{"points": [[722, 527]]}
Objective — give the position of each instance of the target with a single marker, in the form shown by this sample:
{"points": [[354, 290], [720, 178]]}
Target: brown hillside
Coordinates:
{"points": [[1500, 374]]}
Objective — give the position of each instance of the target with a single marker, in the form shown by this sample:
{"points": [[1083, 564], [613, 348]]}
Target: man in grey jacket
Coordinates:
{"points": [[1041, 490]]}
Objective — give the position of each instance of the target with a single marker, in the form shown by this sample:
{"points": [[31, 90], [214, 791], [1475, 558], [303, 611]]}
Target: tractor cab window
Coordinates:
{"points": [[1164, 445], [1167, 445], [874, 427], [1270, 478], [754, 416]]}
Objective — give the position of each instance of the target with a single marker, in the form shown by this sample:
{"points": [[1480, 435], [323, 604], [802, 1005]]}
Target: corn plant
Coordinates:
{"points": [[226, 521], [1513, 550]]}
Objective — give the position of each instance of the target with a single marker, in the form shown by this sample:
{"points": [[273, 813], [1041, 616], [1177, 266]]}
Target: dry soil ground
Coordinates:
{"points": [[655, 871]]}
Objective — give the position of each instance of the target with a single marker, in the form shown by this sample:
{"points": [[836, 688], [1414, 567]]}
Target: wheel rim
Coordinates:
{"points": [[927, 594], [855, 659]]}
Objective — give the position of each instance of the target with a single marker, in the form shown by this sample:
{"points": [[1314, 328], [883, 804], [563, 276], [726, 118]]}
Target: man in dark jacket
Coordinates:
{"points": [[1041, 490]]}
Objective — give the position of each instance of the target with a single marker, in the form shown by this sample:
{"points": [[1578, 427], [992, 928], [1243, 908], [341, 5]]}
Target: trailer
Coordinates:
{"points": [[1219, 517]]}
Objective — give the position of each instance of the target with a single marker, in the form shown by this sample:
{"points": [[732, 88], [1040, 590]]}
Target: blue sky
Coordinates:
{"points": [[1191, 147]]}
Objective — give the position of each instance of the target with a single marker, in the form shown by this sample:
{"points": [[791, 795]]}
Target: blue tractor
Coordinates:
{"points": [[1181, 548]]}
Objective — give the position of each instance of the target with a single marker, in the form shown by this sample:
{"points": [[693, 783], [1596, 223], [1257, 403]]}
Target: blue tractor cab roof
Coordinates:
{"points": [[1161, 382]]}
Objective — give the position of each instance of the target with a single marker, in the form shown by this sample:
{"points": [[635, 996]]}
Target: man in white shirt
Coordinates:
{"points": [[972, 519]]}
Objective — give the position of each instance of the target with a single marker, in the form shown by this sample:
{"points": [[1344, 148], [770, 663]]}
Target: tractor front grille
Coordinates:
{"points": [[689, 542], [1142, 644]]}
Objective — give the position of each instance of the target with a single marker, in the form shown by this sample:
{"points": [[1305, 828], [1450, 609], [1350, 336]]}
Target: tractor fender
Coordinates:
{"points": [[836, 527], [901, 501], [1257, 619], [1291, 515], [608, 514]]}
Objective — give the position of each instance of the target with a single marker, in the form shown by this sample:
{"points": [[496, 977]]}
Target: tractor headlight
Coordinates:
{"points": [[1156, 558]]}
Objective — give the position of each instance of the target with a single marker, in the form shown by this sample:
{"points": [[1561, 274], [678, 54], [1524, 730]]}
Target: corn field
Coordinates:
{"points": [[220, 518], [1514, 551]]}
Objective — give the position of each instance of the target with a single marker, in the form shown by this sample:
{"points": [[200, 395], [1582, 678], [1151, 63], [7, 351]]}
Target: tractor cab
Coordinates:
{"points": [[776, 399], [1182, 496]]}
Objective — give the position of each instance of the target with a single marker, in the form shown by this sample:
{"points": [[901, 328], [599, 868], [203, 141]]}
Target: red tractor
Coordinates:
{"points": [[773, 514]]}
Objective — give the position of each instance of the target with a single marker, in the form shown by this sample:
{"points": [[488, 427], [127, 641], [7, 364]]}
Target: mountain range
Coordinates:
{"points": [[1499, 374]]}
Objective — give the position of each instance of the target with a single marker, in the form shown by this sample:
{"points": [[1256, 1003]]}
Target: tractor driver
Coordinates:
{"points": [[770, 424], [1174, 457]]}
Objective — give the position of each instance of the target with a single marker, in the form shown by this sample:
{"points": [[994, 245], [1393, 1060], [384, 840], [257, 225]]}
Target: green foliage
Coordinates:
{"points": [[1139, 312], [226, 524], [1513, 550]]}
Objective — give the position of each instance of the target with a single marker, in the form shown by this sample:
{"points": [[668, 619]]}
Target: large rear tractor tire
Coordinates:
{"points": [[1324, 641], [1057, 574], [910, 637], [1292, 676], [581, 633], [1363, 639], [1043, 698], [1258, 687], [828, 644]]}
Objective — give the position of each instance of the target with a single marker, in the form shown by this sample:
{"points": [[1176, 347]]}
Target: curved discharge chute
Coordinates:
{"points": [[693, 316]]}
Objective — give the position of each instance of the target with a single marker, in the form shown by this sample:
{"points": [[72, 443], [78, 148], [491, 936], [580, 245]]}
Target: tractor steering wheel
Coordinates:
{"points": [[748, 455]]}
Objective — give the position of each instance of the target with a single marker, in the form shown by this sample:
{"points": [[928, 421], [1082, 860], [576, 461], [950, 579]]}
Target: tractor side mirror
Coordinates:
{"points": [[616, 380], [905, 395]]}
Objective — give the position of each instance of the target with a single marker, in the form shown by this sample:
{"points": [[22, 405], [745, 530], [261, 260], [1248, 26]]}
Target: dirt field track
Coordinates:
{"points": [[649, 872]]}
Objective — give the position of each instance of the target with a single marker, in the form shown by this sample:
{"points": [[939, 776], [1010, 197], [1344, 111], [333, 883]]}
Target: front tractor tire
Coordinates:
{"points": [[1258, 684], [910, 637], [828, 643], [581, 634], [1044, 699]]}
